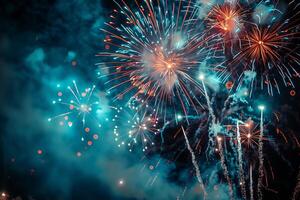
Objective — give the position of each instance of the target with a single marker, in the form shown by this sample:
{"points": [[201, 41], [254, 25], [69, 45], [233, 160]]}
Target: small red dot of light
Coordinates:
{"points": [[87, 129], [59, 94], [229, 85], [40, 152], [70, 123], [96, 137], [292, 93], [66, 117], [90, 143], [71, 107], [83, 94], [107, 47]]}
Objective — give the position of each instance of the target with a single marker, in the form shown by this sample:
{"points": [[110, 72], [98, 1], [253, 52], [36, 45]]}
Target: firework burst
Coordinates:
{"points": [[250, 132], [154, 51], [77, 105], [155, 55], [138, 130], [268, 52], [226, 19]]}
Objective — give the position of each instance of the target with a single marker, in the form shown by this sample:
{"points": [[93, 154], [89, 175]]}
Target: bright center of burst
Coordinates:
{"points": [[170, 65], [85, 108], [201, 77]]}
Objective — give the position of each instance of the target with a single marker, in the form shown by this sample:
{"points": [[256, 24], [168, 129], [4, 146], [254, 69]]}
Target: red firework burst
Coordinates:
{"points": [[225, 18]]}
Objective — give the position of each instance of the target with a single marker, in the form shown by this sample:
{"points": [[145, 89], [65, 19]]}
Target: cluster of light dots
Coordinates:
{"points": [[79, 104], [95, 136], [138, 128]]}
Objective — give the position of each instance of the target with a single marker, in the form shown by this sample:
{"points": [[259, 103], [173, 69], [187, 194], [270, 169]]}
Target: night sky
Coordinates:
{"points": [[46, 42]]}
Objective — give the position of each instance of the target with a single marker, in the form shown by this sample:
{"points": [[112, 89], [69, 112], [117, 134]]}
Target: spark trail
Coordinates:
{"points": [[198, 174], [251, 184], [215, 124], [260, 154], [210, 110], [224, 166], [240, 160]]}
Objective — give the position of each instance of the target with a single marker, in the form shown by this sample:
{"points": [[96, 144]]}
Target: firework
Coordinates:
{"points": [[224, 166], [252, 136], [260, 153], [250, 133], [155, 55], [156, 51], [226, 19], [78, 107], [251, 183], [266, 52], [198, 175], [138, 129], [240, 161]]}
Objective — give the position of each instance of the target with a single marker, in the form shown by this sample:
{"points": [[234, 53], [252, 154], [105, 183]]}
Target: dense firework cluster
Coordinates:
{"points": [[183, 76]]}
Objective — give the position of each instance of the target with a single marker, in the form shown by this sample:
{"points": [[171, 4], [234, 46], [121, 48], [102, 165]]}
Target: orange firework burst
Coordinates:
{"points": [[162, 69], [250, 133], [225, 18], [263, 44], [268, 48], [266, 52]]}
